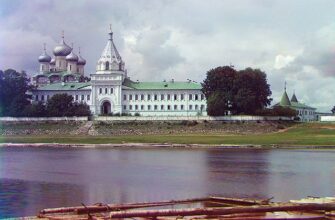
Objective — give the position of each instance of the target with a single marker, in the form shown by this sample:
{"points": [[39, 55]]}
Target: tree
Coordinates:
{"points": [[252, 91], [13, 88], [219, 89], [35, 110], [61, 105], [238, 92], [333, 110]]}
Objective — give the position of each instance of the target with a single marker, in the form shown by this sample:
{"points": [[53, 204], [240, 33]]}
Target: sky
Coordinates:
{"points": [[292, 41]]}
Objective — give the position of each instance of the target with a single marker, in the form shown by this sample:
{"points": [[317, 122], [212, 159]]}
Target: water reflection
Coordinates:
{"points": [[32, 179]]}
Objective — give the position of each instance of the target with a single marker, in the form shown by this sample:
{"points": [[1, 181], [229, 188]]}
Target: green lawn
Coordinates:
{"points": [[306, 134]]}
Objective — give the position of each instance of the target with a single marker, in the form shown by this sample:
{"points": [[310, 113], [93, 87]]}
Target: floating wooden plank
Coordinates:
{"points": [[221, 211]]}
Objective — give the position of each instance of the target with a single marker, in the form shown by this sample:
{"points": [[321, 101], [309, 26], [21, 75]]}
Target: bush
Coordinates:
{"points": [[137, 114], [278, 111]]}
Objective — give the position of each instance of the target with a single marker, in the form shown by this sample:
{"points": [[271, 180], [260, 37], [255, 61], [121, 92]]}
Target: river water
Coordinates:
{"points": [[35, 178]]}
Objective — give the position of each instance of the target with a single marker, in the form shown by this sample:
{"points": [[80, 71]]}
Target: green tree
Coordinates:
{"points": [[35, 110], [333, 110], [13, 88], [252, 91], [219, 89], [60, 105], [238, 92]]}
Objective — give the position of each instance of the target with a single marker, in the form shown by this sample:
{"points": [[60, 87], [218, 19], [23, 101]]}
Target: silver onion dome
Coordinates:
{"points": [[53, 61], [62, 49], [72, 57], [44, 57], [81, 61]]}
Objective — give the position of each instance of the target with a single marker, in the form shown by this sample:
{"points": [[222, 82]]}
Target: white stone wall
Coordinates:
{"points": [[81, 118], [194, 118], [164, 102], [327, 118]]}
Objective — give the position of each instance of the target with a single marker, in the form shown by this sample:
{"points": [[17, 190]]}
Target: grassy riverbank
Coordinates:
{"points": [[306, 134]]}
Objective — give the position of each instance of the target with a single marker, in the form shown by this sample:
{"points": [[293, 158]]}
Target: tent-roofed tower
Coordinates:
{"points": [[110, 59], [294, 98], [285, 101]]}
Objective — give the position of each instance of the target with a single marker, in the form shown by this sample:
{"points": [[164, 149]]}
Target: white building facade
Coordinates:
{"points": [[110, 90]]}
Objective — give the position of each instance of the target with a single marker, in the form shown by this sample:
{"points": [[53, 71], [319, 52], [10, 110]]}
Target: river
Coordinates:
{"points": [[35, 178]]}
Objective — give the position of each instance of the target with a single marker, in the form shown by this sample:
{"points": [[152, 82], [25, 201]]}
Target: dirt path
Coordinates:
{"points": [[84, 129]]}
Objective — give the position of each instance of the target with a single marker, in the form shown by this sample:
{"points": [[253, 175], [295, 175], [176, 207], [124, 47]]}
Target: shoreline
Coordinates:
{"points": [[167, 146]]}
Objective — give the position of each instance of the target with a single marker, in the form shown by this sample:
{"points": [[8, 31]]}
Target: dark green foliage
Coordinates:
{"points": [[278, 111], [61, 105], [333, 110], [35, 110], [238, 92], [13, 88], [137, 114]]}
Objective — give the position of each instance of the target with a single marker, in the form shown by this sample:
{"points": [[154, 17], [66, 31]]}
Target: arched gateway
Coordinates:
{"points": [[106, 108]]}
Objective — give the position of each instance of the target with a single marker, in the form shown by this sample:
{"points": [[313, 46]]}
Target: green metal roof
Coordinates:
{"points": [[284, 100], [65, 86], [162, 85], [300, 105]]}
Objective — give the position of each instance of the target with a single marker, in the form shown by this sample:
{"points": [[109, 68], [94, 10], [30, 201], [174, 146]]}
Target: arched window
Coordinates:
{"points": [[107, 65]]}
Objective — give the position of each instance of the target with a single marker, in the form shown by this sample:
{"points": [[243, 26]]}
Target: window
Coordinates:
{"points": [[169, 107], [190, 96], [42, 97], [149, 97], [82, 98], [100, 90], [48, 97], [142, 97], [155, 107], [124, 97], [130, 107], [162, 107], [107, 65], [181, 96], [136, 97], [202, 107], [124, 107], [136, 107], [70, 67], [106, 90], [149, 107], [112, 90], [142, 107], [190, 107], [168, 97], [196, 107], [162, 97], [130, 97], [175, 97], [88, 97], [155, 97], [175, 107], [182, 107], [202, 97], [196, 97]]}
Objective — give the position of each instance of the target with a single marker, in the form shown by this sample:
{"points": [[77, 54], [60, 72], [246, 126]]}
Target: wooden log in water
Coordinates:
{"points": [[222, 211], [110, 207], [236, 201]]}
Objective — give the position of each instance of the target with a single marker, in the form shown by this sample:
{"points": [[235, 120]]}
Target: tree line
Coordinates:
{"points": [[15, 102], [237, 92]]}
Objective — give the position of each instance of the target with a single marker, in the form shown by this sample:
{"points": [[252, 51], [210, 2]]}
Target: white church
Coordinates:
{"points": [[110, 90]]}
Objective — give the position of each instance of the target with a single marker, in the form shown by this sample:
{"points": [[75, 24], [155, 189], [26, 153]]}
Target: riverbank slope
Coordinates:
{"points": [[205, 133]]}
